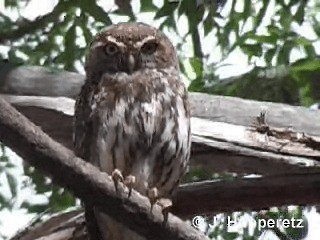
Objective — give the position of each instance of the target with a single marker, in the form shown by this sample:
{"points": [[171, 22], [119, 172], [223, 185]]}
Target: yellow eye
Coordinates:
{"points": [[111, 49], [149, 47]]}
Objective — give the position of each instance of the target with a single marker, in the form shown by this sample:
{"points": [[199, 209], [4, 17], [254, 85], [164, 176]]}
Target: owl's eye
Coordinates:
{"points": [[111, 49], [149, 47]]}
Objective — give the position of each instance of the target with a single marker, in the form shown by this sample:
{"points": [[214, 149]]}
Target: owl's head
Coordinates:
{"points": [[129, 47]]}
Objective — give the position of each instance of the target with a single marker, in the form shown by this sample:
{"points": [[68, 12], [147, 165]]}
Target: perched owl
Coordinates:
{"points": [[132, 116]]}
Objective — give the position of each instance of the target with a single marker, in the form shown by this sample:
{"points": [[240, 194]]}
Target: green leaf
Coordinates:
{"points": [[9, 165], [252, 49], [11, 3], [4, 158], [286, 19], [274, 30], [281, 2], [196, 85], [208, 24], [310, 51], [193, 12], [125, 9], [300, 40], [13, 58], [97, 13], [231, 235], [12, 181], [4, 202], [264, 39], [169, 22], [284, 53], [41, 185], [246, 9], [197, 66], [34, 208], [299, 16], [262, 13], [147, 6], [310, 65], [70, 48], [293, 2], [166, 10], [83, 23], [61, 199], [269, 55]]}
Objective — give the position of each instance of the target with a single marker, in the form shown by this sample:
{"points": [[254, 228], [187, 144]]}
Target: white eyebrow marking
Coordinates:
{"points": [[114, 41], [140, 43], [109, 39], [96, 44]]}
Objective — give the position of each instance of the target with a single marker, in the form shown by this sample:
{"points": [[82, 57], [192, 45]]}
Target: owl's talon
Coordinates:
{"points": [[129, 182], [153, 196], [117, 177], [165, 204]]}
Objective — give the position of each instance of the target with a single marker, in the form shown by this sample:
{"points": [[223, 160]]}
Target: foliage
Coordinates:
{"points": [[6, 167], [276, 39]]}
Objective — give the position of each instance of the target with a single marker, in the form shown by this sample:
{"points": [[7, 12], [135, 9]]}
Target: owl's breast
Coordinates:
{"points": [[138, 123]]}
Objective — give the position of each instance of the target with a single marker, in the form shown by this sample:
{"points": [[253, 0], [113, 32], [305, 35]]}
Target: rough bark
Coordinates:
{"points": [[229, 135], [218, 146], [40, 81], [212, 196], [86, 181]]}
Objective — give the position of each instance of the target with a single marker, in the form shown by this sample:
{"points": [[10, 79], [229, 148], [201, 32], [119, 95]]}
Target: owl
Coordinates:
{"points": [[132, 117]]}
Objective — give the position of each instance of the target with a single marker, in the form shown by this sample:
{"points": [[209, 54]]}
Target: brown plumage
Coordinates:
{"points": [[132, 114]]}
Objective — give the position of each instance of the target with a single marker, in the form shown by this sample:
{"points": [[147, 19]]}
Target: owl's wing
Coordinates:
{"points": [[82, 132], [82, 135]]}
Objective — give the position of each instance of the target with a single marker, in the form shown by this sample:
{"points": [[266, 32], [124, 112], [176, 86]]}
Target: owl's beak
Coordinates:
{"points": [[131, 63]]}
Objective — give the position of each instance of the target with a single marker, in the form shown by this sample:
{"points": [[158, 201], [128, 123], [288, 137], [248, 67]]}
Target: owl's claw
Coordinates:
{"points": [[117, 177], [153, 195], [129, 181], [165, 204]]}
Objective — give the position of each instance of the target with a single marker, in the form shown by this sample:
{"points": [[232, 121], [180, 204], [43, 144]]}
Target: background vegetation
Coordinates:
{"points": [[275, 42]]}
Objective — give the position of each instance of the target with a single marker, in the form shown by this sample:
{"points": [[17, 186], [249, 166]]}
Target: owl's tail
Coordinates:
{"points": [[102, 227]]}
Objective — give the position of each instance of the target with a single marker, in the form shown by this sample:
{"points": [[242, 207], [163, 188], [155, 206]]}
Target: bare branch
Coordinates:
{"points": [[86, 181], [248, 194], [218, 146], [213, 197], [40, 81]]}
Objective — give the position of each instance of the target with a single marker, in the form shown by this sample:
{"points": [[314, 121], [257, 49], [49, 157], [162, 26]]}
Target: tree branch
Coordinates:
{"points": [[247, 194], [253, 150], [216, 145], [95, 187], [24, 27], [215, 196], [86, 181], [40, 81]]}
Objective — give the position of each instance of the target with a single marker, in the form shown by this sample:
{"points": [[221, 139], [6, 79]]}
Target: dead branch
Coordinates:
{"points": [[40, 81], [86, 181], [248, 194], [215, 197], [218, 146]]}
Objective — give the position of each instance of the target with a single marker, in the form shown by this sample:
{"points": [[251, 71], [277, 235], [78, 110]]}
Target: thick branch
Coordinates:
{"points": [[86, 181], [215, 197], [248, 194], [92, 186], [40, 81], [218, 146]]}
